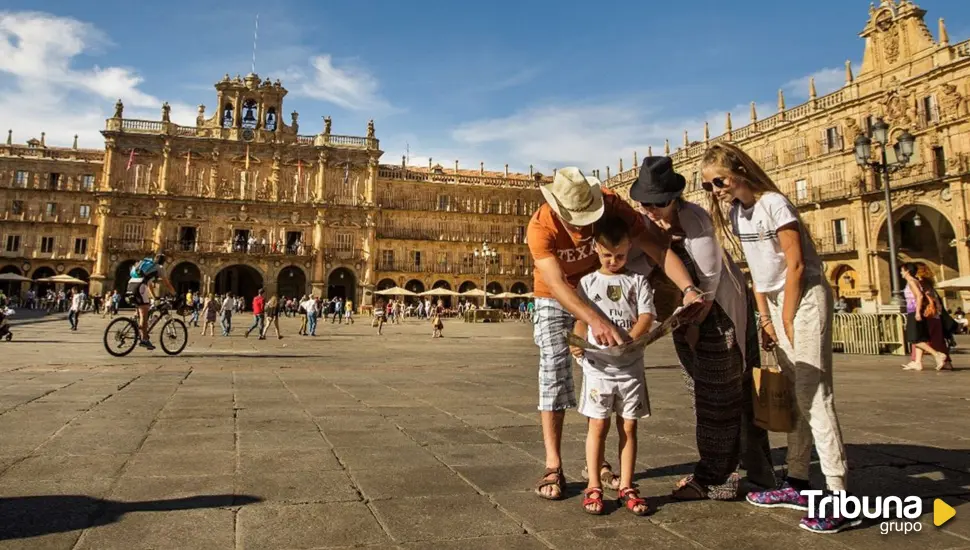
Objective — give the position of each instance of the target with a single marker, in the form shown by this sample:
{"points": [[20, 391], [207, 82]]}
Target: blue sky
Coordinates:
{"points": [[548, 83]]}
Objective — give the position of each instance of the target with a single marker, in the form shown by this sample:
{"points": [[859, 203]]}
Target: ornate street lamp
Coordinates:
{"points": [[904, 147], [487, 255]]}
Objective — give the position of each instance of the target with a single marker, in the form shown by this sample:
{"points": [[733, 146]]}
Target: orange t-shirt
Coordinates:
{"points": [[577, 256]]}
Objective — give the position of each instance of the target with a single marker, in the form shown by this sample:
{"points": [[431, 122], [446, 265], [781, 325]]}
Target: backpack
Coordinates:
{"points": [[144, 269]]}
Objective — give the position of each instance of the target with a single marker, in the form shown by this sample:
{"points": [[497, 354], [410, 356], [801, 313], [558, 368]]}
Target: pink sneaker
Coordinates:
{"points": [[783, 497]]}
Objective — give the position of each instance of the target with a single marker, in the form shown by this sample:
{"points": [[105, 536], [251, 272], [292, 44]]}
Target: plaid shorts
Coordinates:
{"points": [[556, 392]]}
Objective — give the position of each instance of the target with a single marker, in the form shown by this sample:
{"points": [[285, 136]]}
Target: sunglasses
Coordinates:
{"points": [[656, 204], [709, 186]]}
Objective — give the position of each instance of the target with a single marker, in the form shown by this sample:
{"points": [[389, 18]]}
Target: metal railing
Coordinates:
{"points": [[334, 253], [117, 244], [869, 333], [233, 247]]}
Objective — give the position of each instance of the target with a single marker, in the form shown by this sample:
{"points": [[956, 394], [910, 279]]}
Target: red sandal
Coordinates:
{"points": [[630, 498], [593, 495]]}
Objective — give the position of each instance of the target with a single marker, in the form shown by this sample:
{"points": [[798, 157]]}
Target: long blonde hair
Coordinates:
{"points": [[740, 167]]}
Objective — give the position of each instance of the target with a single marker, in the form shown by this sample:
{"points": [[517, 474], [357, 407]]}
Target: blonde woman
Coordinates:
{"points": [[796, 307], [210, 310], [272, 318]]}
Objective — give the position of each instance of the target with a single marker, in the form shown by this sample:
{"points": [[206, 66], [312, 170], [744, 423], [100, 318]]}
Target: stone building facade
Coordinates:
{"points": [[916, 83], [242, 200]]}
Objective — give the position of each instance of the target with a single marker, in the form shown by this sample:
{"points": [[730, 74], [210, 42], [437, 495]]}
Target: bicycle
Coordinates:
{"points": [[125, 332]]}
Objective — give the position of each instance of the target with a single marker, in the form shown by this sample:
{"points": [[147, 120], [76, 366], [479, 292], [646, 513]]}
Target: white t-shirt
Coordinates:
{"points": [[77, 301], [622, 298], [757, 228]]}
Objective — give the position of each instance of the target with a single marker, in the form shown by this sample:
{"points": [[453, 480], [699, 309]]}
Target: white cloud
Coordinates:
{"points": [[42, 91], [348, 86], [827, 81]]}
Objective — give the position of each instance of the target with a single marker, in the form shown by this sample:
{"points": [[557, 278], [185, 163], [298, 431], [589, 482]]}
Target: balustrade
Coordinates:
{"points": [[351, 254], [146, 126], [236, 247], [116, 244], [831, 244]]}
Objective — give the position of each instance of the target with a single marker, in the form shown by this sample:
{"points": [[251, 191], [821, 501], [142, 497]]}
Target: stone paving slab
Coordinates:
{"points": [[400, 441]]}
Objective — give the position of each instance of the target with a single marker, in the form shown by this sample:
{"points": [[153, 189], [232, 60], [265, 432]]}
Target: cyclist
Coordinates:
{"points": [[139, 288]]}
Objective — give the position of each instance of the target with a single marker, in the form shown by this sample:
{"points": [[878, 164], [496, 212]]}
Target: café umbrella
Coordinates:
{"points": [[62, 279]]}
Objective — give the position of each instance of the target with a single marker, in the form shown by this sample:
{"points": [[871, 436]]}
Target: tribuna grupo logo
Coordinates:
{"points": [[896, 514]]}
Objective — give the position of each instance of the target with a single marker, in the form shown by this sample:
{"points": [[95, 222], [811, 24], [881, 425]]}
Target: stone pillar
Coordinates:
{"points": [[318, 276], [207, 284], [372, 164], [321, 175], [163, 177], [161, 226], [368, 281], [101, 249], [109, 154]]}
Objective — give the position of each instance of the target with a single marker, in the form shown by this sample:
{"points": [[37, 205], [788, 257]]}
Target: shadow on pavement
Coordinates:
{"points": [[875, 469], [33, 516]]}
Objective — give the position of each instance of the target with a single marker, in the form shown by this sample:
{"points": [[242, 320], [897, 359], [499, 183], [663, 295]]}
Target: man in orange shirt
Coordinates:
{"points": [[560, 237]]}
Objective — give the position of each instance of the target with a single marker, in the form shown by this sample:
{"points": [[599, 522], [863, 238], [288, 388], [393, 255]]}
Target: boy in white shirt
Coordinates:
{"points": [[619, 385]]}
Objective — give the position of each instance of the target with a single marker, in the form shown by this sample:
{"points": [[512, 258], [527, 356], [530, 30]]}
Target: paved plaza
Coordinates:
{"points": [[401, 441]]}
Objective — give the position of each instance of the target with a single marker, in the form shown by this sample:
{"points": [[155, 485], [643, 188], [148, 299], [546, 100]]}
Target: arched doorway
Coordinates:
{"points": [[11, 288], [186, 277], [445, 300], [519, 288], [241, 280], [385, 284], [415, 286], [122, 274], [291, 282], [42, 273], [343, 283], [923, 235], [495, 288], [845, 281], [78, 273], [465, 287]]}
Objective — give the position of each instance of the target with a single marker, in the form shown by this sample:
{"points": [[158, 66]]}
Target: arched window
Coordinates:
{"points": [[271, 119], [227, 116], [249, 109]]}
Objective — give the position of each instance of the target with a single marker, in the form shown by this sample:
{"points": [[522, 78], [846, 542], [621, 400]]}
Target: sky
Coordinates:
{"points": [[543, 83]]}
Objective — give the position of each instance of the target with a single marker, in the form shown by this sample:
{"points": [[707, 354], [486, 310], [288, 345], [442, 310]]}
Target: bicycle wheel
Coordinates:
{"points": [[174, 336], [121, 336]]}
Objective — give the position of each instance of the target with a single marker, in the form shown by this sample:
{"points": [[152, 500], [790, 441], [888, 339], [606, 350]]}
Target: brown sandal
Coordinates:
{"points": [[558, 480], [688, 489], [609, 480], [630, 498], [594, 496]]}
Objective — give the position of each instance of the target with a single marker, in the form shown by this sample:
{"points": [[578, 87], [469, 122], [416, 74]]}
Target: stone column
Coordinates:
{"points": [[163, 177], [109, 154], [318, 276], [370, 260], [161, 225], [101, 248], [320, 176], [867, 279], [372, 164]]}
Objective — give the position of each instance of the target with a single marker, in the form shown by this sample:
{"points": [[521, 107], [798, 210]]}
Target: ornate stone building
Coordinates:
{"points": [[242, 200], [915, 83]]}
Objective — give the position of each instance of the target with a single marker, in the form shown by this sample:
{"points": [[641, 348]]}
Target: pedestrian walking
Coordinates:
{"points": [[273, 308], [228, 305], [209, 313], [77, 302], [258, 315]]}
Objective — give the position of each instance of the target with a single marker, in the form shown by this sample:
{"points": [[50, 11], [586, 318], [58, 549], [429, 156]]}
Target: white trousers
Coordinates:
{"points": [[809, 366]]}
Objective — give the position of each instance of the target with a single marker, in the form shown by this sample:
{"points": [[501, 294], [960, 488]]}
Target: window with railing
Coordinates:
{"points": [[468, 262], [441, 259], [799, 150], [51, 209], [444, 202], [87, 182], [831, 140], [930, 114], [80, 246], [939, 162], [13, 243], [53, 179], [133, 232], [387, 259], [17, 207], [416, 259], [344, 241], [84, 211], [46, 245], [839, 231], [21, 178], [801, 190]]}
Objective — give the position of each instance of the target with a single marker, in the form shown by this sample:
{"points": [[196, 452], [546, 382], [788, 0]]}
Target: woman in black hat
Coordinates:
{"points": [[718, 350]]}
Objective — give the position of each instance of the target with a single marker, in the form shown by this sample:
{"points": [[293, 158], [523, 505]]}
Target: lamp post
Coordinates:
{"points": [[904, 147], [487, 255]]}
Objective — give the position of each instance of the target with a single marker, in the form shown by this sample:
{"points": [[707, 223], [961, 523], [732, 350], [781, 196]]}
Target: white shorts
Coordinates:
{"points": [[625, 396]]}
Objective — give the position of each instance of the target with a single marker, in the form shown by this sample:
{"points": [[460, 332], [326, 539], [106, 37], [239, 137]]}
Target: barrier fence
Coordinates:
{"points": [[869, 333]]}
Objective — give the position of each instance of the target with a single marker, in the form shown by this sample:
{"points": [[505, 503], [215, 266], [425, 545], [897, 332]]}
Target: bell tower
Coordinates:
{"points": [[249, 109]]}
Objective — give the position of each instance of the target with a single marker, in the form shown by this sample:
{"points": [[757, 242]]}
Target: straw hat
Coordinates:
{"points": [[577, 199]]}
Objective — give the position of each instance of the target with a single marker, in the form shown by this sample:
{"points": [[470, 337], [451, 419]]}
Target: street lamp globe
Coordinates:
{"points": [[906, 145], [863, 150], [880, 131]]}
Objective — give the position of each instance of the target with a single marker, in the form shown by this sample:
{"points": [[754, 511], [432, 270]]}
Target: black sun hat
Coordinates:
{"points": [[657, 182]]}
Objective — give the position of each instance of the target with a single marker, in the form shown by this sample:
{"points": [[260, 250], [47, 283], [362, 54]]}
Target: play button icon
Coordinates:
{"points": [[942, 512]]}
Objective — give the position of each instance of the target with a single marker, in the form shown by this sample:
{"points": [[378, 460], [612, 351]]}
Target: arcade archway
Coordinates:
{"points": [[122, 275], [518, 288], [291, 282], [78, 273], [186, 277], [42, 273], [466, 286], [845, 281], [11, 288], [495, 288], [923, 235], [343, 283], [445, 300], [385, 284], [241, 280]]}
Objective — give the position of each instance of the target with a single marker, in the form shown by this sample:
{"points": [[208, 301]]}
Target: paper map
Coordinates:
{"points": [[676, 319]]}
